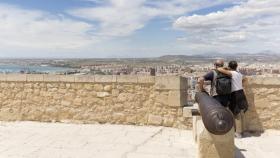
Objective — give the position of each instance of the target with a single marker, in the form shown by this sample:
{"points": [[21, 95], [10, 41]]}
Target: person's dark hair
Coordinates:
{"points": [[232, 65]]}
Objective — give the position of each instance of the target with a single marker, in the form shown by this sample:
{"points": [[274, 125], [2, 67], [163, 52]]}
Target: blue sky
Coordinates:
{"points": [[138, 28]]}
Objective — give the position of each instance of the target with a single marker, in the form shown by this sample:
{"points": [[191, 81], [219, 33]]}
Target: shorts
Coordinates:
{"points": [[223, 99], [238, 102]]}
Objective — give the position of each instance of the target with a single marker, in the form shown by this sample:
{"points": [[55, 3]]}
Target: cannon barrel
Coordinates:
{"points": [[217, 119]]}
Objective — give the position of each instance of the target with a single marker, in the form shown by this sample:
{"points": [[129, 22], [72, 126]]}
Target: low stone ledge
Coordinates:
{"points": [[34, 78], [127, 79], [51, 78], [73, 78], [105, 78], [66, 78], [16, 77], [162, 82], [85, 79], [3, 77], [146, 79], [265, 81], [170, 83]]}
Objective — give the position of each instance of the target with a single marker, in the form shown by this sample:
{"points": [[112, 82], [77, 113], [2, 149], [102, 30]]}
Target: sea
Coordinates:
{"points": [[32, 69]]}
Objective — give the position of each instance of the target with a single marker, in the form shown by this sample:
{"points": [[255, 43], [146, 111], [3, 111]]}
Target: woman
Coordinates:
{"points": [[238, 102]]}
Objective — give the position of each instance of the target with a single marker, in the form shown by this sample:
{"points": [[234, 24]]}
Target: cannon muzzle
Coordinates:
{"points": [[216, 118]]}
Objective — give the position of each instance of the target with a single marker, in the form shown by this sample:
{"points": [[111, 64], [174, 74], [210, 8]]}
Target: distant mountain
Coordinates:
{"points": [[264, 56]]}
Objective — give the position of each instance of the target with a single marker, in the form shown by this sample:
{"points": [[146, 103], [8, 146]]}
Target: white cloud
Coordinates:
{"points": [[243, 27], [252, 26], [22, 29], [124, 17]]}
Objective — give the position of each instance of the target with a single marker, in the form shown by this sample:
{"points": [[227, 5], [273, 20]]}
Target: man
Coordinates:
{"points": [[238, 102], [212, 76]]}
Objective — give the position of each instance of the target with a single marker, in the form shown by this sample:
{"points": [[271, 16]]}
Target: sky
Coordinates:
{"points": [[137, 28]]}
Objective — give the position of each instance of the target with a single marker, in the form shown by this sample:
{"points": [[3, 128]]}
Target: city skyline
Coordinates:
{"points": [[140, 28]]}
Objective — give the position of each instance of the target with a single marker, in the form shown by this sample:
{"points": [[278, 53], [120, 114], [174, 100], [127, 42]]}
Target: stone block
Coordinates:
{"points": [[183, 83], [119, 117], [154, 120], [35, 78], [187, 112], [168, 121], [115, 92], [174, 98], [108, 88], [170, 83], [263, 80], [127, 79], [16, 77], [65, 103], [78, 101], [131, 119], [271, 81], [251, 81], [103, 94], [162, 99], [67, 78], [146, 79], [84, 79], [51, 78], [214, 146], [125, 97], [195, 123], [98, 87], [105, 78], [184, 97], [88, 86]]}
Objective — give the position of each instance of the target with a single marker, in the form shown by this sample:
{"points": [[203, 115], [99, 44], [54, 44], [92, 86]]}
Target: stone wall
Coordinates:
{"points": [[137, 100], [263, 95]]}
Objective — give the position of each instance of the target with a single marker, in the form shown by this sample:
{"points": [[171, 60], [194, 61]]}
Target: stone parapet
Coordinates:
{"points": [[263, 96], [139, 100], [82, 78], [171, 83], [264, 81], [78, 79]]}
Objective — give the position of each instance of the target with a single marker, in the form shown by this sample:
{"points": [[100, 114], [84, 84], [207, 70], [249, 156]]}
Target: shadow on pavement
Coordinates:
{"points": [[251, 134], [238, 152]]}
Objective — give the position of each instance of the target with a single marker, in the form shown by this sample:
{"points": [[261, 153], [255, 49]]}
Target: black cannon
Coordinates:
{"points": [[217, 119]]}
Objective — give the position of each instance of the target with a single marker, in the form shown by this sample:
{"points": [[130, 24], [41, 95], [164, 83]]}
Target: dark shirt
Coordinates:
{"points": [[223, 99], [209, 76]]}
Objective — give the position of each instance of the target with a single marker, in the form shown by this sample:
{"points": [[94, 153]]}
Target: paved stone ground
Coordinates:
{"points": [[265, 146], [54, 140]]}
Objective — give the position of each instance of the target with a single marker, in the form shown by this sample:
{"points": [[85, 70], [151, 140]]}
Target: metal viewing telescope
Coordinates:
{"points": [[217, 119]]}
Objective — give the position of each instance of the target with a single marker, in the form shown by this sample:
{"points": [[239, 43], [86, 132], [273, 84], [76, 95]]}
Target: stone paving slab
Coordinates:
{"points": [[56, 140], [265, 146]]}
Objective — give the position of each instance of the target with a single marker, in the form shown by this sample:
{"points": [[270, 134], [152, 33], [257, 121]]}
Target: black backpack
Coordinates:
{"points": [[223, 83]]}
